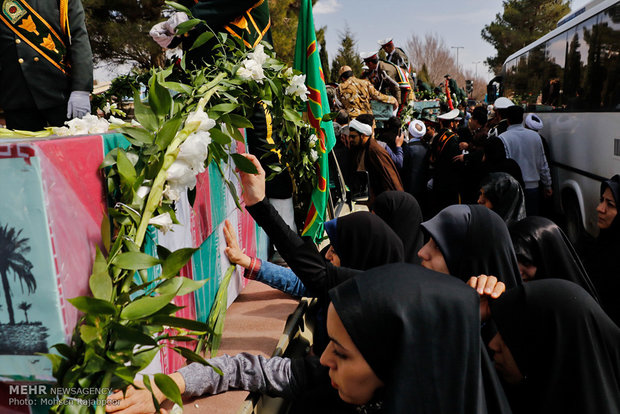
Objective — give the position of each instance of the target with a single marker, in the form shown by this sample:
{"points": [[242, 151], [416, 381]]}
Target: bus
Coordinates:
{"points": [[571, 79]]}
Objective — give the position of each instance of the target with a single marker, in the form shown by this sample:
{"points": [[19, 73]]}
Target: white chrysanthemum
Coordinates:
{"points": [[251, 69], [312, 141], [163, 222], [314, 155], [259, 55], [199, 121], [298, 87], [194, 150]]}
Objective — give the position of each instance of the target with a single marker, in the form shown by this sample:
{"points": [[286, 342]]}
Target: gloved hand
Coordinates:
{"points": [[164, 32], [78, 105]]}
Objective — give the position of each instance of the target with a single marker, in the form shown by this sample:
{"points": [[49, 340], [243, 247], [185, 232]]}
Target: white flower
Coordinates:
{"points": [[107, 108], [199, 121], [194, 150], [135, 123], [313, 140], [288, 73], [314, 155], [259, 55], [88, 124], [132, 157], [251, 69], [143, 191], [61, 132], [116, 121], [171, 194], [298, 87], [163, 221]]}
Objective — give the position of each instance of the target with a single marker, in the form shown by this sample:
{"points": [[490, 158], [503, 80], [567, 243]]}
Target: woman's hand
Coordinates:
{"points": [[486, 286], [253, 184], [140, 401], [232, 250]]}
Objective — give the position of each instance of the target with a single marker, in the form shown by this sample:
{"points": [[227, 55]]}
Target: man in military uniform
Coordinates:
{"points": [[394, 54], [355, 94], [46, 64], [389, 78]]}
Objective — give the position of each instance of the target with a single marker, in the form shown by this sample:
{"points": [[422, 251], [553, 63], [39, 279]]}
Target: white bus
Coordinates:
{"points": [[571, 79]]}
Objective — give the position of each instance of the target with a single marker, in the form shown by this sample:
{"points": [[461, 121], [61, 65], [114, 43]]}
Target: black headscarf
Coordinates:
{"points": [[564, 344], [496, 161], [474, 240], [540, 242], [603, 261], [506, 196], [419, 332], [363, 241], [401, 211]]}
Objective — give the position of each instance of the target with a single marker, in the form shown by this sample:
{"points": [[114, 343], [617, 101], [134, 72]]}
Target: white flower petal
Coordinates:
{"points": [[163, 221]]}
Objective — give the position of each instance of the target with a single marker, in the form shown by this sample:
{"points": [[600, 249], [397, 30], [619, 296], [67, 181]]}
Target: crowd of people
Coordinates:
{"points": [[478, 309]]}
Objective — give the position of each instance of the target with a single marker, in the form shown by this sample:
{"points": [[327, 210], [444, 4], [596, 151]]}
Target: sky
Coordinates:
{"points": [[459, 22]]}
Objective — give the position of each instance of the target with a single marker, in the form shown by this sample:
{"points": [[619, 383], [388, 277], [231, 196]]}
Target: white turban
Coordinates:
{"points": [[533, 122], [417, 129], [360, 127]]}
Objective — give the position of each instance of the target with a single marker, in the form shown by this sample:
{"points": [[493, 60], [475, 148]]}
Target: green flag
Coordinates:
{"points": [[308, 62]]}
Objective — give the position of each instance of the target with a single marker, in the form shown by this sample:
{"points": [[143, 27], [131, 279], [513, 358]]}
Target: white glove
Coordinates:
{"points": [[78, 105], [164, 32]]}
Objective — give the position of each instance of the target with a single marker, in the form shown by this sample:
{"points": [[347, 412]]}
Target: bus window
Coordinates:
{"points": [[535, 64], [579, 66], [553, 72], [609, 22]]}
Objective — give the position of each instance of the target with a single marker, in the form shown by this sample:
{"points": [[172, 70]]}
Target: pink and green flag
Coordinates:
{"points": [[308, 62]]}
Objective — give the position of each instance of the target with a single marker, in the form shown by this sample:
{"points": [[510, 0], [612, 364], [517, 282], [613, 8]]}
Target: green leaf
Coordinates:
{"points": [[93, 306], [88, 333], [240, 121], [100, 282], [146, 306], [187, 26], [134, 335], [194, 357], [202, 39], [224, 107], [169, 286], [178, 87], [138, 133], [125, 169], [162, 252], [220, 137], [330, 116], [159, 99], [126, 373], [175, 262], [143, 113], [135, 261], [106, 232], [143, 358], [56, 360], [179, 7], [64, 350], [168, 131], [175, 322], [190, 285], [169, 388], [291, 115], [244, 164]]}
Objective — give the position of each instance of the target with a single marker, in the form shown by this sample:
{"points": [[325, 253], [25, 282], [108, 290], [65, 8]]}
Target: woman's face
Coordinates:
{"points": [[351, 375], [484, 201], [332, 256], [528, 271], [607, 210], [432, 258], [504, 361]]}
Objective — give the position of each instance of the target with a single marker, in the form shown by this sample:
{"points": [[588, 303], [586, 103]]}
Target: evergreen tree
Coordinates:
{"points": [[320, 38], [119, 31], [522, 22], [284, 18], [347, 55]]}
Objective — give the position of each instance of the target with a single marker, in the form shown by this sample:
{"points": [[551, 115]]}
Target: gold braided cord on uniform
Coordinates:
{"points": [[64, 18]]}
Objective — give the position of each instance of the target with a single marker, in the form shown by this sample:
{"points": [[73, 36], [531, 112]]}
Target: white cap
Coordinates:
{"points": [[503, 103], [533, 122], [417, 129], [367, 55], [384, 41], [360, 127], [449, 115]]}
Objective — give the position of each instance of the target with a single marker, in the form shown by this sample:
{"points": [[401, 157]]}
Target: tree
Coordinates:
{"points": [[347, 54], [284, 18], [434, 59], [320, 38], [25, 306], [522, 22], [12, 250]]}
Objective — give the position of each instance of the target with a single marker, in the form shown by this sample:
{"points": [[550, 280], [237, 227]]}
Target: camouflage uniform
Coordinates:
{"points": [[355, 95]]}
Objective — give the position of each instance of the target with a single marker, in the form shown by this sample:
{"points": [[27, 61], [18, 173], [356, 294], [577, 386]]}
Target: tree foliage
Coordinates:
{"points": [[284, 18], [347, 55], [119, 31], [522, 22], [320, 38]]}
